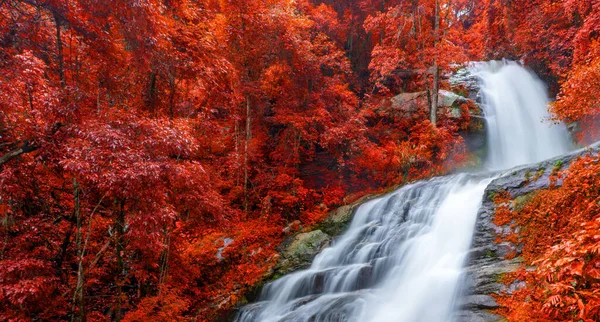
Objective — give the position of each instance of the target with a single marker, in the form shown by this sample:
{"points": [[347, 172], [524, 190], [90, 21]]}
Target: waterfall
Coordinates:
{"points": [[402, 257], [400, 260], [515, 104]]}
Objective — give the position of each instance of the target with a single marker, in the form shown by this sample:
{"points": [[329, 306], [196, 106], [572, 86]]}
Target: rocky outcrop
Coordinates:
{"points": [[467, 86], [464, 89], [298, 251], [462, 80], [487, 264], [301, 251], [407, 104]]}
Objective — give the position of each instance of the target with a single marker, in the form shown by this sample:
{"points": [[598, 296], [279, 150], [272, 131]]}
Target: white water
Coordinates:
{"points": [[400, 260], [519, 129], [402, 257]]}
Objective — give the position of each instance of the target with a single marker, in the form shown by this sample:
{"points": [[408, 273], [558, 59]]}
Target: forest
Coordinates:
{"points": [[154, 154]]}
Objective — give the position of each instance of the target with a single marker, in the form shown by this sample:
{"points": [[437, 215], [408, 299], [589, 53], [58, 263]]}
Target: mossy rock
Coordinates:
{"points": [[301, 251], [338, 220]]}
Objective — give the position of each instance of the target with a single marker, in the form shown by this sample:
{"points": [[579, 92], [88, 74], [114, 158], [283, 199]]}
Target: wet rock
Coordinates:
{"points": [[479, 301], [447, 98], [480, 316], [226, 242], [338, 220], [487, 264], [465, 79]]}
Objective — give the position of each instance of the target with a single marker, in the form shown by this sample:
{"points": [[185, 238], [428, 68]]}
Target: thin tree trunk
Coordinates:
{"points": [[173, 88], [248, 137], [237, 151], [120, 231], [59, 51], [164, 261], [436, 71], [78, 298]]}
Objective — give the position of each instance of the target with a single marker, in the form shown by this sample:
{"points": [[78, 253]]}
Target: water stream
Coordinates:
{"points": [[402, 257], [519, 130]]}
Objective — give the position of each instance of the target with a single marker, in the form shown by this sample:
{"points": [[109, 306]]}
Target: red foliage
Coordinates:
{"points": [[151, 153], [559, 233]]}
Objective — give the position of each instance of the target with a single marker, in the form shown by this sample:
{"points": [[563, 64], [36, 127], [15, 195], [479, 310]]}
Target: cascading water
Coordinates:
{"points": [[409, 245], [402, 257], [515, 104]]}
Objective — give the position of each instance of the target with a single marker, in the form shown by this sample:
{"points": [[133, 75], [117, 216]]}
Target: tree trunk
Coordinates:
{"points": [[164, 260], [436, 70], [248, 137], [78, 297], [59, 51], [119, 248]]}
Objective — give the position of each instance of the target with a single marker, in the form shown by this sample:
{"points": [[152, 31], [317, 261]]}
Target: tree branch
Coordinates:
{"points": [[25, 148]]}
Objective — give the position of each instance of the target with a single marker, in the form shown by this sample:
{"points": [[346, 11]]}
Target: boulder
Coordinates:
{"points": [[447, 98], [301, 251], [405, 103], [337, 220], [409, 103], [469, 83]]}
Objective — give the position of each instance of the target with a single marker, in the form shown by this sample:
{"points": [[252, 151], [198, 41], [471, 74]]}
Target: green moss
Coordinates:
{"points": [[490, 254], [557, 165], [337, 221], [499, 277], [539, 174], [521, 201], [332, 228]]}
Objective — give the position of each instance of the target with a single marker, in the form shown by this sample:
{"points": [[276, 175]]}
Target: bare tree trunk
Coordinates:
{"points": [[237, 152], [436, 70], [59, 51], [248, 137], [78, 298], [164, 260], [173, 88], [120, 231]]}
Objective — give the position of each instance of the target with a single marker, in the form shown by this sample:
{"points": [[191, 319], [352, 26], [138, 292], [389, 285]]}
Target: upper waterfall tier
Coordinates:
{"points": [[519, 126]]}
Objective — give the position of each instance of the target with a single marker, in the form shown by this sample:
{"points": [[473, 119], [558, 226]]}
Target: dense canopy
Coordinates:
{"points": [[153, 154]]}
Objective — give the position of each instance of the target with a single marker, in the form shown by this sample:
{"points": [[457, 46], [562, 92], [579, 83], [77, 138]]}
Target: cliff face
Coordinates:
{"points": [[487, 264]]}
